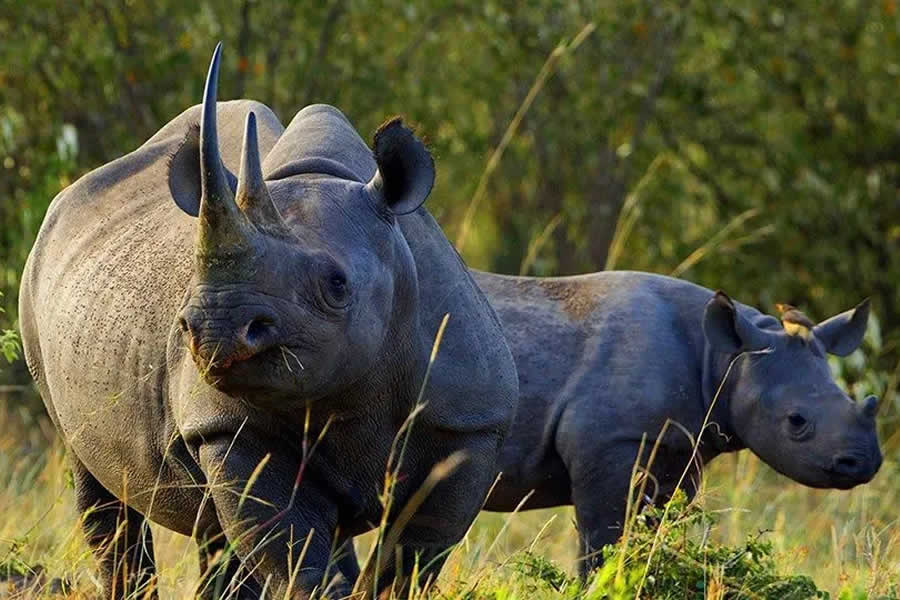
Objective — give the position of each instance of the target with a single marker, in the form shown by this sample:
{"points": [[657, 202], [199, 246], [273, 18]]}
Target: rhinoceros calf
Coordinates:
{"points": [[191, 364], [605, 358]]}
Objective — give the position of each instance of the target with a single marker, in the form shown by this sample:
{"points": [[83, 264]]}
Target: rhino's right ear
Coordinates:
{"points": [[184, 173], [727, 330], [842, 334], [405, 173]]}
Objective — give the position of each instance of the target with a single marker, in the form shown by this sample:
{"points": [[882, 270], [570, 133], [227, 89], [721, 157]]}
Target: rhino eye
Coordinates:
{"points": [[336, 291], [338, 282], [799, 426], [797, 421]]}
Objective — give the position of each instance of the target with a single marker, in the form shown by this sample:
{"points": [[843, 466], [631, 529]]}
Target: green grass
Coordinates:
{"points": [[749, 527]]}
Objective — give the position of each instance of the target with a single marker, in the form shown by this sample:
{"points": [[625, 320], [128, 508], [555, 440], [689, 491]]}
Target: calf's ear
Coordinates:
{"points": [[842, 334], [405, 173], [184, 173], [727, 331]]}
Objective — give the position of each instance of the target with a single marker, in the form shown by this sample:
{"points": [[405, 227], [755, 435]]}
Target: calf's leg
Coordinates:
{"points": [[600, 486], [600, 480]]}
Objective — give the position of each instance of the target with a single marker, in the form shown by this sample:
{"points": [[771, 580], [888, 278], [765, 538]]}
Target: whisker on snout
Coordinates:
{"points": [[284, 352]]}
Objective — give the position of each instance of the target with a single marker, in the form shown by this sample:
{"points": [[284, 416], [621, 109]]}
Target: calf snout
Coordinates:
{"points": [[858, 467], [219, 338]]}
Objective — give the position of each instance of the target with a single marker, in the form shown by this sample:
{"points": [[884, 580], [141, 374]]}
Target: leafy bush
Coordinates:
{"points": [[9, 345], [9, 342], [670, 556]]}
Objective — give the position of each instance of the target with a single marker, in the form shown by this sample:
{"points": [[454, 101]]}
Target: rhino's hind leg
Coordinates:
{"points": [[119, 537]]}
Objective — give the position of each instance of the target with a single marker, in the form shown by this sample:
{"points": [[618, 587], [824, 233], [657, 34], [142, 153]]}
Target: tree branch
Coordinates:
{"points": [[722, 197], [243, 49], [317, 62]]}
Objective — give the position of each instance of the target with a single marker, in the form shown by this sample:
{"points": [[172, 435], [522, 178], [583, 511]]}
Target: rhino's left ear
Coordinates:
{"points": [[184, 173], [727, 330], [405, 173], [842, 334]]}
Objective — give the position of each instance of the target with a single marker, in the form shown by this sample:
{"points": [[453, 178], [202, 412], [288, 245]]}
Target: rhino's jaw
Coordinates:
{"points": [[829, 478], [840, 468]]}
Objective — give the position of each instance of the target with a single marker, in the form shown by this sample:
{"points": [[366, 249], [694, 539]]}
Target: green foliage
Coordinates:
{"points": [[788, 110], [9, 345], [686, 564], [12, 564], [9, 342], [860, 594], [539, 572], [671, 557]]}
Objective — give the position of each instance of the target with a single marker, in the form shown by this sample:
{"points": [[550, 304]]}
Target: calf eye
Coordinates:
{"points": [[797, 421], [799, 427]]}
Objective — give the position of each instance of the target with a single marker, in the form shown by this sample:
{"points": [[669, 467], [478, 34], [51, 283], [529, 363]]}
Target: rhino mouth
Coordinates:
{"points": [[844, 482], [269, 370]]}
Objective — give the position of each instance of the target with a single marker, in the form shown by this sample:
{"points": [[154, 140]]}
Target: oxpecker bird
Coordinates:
{"points": [[795, 322]]}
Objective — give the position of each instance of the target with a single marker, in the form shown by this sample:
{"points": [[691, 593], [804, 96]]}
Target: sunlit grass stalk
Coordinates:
{"points": [[537, 243], [375, 561], [716, 241], [543, 75], [630, 212]]}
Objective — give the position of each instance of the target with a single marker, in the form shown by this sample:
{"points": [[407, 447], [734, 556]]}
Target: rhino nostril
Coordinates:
{"points": [[183, 324], [258, 330], [846, 464]]}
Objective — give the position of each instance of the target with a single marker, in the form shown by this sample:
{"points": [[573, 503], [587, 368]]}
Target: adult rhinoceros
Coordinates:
{"points": [[190, 364]]}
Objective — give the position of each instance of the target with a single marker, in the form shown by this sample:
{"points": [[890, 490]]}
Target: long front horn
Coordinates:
{"points": [[253, 196], [223, 227]]}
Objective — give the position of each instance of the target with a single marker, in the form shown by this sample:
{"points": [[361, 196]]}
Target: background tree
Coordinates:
{"points": [[748, 147]]}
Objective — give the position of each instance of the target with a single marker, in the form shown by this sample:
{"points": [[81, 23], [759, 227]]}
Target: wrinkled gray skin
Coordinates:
{"points": [[607, 357], [174, 354]]}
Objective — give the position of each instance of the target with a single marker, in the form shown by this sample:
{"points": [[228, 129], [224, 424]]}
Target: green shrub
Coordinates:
{"points": [[9, 342], [670, 556]]}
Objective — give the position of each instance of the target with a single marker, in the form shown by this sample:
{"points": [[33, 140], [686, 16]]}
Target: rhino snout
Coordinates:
{"points": [[219, 339], [856, 467]]}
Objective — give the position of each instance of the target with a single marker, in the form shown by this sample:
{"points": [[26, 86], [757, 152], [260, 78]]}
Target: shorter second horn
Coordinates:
{"points": [[252, 195]]}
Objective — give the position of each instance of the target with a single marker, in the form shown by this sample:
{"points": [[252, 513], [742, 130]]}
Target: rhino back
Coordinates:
{"points": [[474, 363], [100, 292], [613, 352]]}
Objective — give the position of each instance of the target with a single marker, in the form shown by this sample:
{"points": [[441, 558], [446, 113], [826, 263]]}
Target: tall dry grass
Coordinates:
{"points": [[843, 540]]}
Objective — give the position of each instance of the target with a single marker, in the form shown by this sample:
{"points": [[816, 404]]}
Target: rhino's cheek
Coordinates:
{"points": [[797, 461], [792, 459], [807, 473]]}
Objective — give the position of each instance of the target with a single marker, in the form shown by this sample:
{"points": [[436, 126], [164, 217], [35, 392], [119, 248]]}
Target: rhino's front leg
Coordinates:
{"points": [[267, 522], [462, 480], [600, 481], [221, 572], [344, 569]]}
